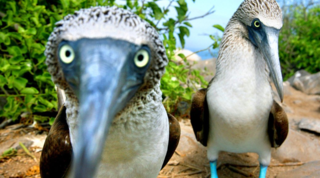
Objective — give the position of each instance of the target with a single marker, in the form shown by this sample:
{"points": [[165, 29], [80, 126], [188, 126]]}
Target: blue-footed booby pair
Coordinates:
{"points": [[237, 113], [109, 63]]}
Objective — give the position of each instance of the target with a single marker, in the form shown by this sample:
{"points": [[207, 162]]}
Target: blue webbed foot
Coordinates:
{"points": [[263, 171], [213, 168]]}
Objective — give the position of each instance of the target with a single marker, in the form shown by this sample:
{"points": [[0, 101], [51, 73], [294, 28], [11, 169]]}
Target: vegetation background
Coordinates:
{"points": [[26, 86]]}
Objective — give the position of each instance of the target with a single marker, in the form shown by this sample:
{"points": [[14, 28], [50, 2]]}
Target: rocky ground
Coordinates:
{"points": [[298, 157]]}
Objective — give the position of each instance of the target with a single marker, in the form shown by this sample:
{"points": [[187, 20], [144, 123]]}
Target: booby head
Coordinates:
{"points": [[263, 19], [101, 57]]}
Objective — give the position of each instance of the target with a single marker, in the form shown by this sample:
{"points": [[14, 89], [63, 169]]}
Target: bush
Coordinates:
{"points": [[25, 27], [299, 46]]}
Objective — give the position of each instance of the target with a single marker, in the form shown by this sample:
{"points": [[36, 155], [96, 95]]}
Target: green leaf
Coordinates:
{"points": [[156, 10], [184, 31], [14, 51], [15, 35], [31, 31], [212, 37], [16, 59], [29, 90], [40, 118], [182, 55], [40, 108], [3, 81], [65, 3], [4, 65], [19, 82], [9, 152], [187, 24], [4, 38], [219, 27], [29, 100], [51, 121]]}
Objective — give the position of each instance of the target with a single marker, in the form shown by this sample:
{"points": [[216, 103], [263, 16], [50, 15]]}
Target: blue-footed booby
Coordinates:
{"points": [[109, 63], [236, 112]]}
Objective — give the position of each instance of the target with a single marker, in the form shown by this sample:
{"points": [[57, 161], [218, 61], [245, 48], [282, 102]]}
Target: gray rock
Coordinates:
{"points": [[305, 82], [311, 125], [183, 108], [308, 170], [206, 67], [188, 142], [297, 147], [286, 108], [286, 88], [299, 73], [26, 143]]}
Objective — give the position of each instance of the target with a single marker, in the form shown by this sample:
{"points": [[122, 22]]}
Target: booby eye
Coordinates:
{"points": [[66, 54], [141, 58], [256, 23]]}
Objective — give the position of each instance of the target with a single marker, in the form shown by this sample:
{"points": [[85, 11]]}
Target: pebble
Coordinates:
{"points": [[310, 125], [298, 147]]}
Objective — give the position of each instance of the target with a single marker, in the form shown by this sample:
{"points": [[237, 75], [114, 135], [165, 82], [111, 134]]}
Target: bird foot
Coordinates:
{"points": [[213, 168]]}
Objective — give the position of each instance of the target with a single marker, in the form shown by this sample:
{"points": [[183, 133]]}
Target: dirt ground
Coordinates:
{"points": [[188, 161]]}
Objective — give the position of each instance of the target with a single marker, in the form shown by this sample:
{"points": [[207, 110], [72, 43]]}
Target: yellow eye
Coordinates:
{"points": [[256, 23], [141, 59], [66, 54]]}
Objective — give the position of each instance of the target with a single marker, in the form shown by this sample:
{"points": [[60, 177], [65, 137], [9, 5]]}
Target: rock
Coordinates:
{"points": [[305, 82], [286, 88], [207, 68], [183, 108], [6, 123], [286, 108], [299, 73], [311, 125], [26, 143], [188, 142], [297, 147], [308, 170]]}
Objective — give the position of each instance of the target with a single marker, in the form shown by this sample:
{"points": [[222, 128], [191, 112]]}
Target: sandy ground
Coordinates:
{"points": [[189, 159]]}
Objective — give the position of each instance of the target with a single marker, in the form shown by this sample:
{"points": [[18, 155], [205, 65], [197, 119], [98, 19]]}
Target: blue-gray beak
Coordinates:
{"points": [[266, 39], [105, 78]]}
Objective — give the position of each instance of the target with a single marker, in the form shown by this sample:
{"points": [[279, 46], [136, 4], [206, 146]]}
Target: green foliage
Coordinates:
{"points": [[216, 39], [8, 153], [26, 25], [24, 81], [299, 46]]}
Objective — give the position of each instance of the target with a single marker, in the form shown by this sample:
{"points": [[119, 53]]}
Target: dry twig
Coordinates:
{"points": [[27, 151], [189, 174]]}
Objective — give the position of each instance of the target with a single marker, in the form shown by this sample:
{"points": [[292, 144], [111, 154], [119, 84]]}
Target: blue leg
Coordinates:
{"points": [[263, 171], [213, 168]]}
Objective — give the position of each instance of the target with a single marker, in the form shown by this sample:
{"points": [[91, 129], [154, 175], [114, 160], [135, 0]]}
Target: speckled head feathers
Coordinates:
{"points": [[102, 22], [268, 11]]}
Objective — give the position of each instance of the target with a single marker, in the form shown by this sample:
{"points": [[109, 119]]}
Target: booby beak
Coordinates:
{"points": [[104, 78], [266, 39]]}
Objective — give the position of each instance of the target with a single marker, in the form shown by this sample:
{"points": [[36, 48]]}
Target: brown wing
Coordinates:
{"points": [[174, 137], [199, 116], [57, 150], [278, 126]]}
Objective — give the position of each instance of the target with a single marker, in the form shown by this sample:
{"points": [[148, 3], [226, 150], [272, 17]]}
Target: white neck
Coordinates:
{"points": [[242, 73]]}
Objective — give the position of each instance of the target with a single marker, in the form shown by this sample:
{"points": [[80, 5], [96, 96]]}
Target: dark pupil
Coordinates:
{"points": [[68, 53], [257, 24], [140, 57]]}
